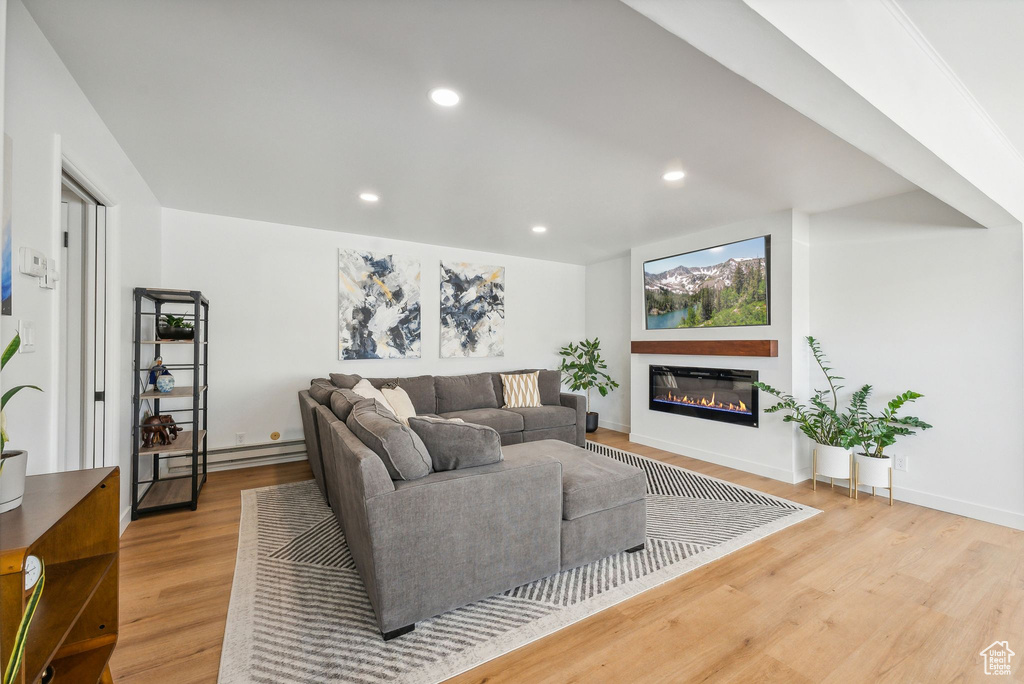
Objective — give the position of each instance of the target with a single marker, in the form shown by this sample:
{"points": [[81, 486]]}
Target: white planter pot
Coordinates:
{"points": [[12, 480], [832, 461], [874, 472]]}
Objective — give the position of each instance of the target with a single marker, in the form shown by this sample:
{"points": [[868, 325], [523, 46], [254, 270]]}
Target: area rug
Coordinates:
{"points": [[299, 612]]}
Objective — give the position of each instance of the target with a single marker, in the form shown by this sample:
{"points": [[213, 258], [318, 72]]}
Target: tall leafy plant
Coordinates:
{"points": [[585, 369], [11, 350], [819, 418], [871, 433]]}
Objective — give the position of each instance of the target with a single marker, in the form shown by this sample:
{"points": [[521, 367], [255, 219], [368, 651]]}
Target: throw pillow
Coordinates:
{"points": [[400, 402], [402, 451], [345, 381], [364, 389], [454, 444], [320, 389], [343, 401], [521, 390]]}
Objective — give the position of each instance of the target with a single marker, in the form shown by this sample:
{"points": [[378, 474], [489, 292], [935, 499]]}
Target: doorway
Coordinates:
{"points": [[81, 432]]}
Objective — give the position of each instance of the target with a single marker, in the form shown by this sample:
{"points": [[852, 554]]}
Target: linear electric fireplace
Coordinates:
{"points": [[722, 394]]}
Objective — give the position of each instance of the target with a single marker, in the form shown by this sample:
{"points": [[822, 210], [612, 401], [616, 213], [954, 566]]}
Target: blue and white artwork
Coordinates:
{"points": [[472, 310], [378, 306], [7, 270]]}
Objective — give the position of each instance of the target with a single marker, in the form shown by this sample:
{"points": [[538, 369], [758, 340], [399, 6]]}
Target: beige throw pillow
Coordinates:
{"points": [[364, 389], [400, 403], [521, 390]]}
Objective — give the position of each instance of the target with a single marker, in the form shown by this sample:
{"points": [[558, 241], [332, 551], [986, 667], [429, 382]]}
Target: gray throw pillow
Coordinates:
{"points": [[343, 401], [320, 389], [454, 444], [464, 392], [345, 381], [402, 451]]}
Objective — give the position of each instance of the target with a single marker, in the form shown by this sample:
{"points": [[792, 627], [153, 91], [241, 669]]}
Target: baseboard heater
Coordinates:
{"points": [[246, 456]]}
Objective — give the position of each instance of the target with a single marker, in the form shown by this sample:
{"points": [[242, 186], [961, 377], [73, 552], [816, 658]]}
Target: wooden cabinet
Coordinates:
{"points": [[70, 522]]}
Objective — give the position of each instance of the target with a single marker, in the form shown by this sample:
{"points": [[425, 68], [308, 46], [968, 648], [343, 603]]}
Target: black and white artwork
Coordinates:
{"points": [[378, 306], [472, 310]]}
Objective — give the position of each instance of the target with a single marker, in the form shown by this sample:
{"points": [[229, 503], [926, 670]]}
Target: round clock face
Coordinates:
{"points": [[33, 569]]}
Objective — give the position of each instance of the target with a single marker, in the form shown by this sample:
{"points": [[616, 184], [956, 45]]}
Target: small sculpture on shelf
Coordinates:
{"points": [[156, 371], [159, 431]]}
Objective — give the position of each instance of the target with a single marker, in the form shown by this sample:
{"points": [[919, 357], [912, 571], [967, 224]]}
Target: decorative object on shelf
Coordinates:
{"points": [[7, 266], [175, 328], [165, 383], [378, 306], [472, 310], [159, 430], [722, 286], [821, 421], [13, 463], [585, 369], [156, 370], [870, 433]]}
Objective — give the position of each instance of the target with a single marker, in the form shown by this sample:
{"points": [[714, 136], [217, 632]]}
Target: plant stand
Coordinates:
{"points": [[875, 475], [832, 462]]}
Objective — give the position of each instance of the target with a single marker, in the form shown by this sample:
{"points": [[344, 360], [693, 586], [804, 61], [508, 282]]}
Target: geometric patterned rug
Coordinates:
{"points": [[299, 612]]}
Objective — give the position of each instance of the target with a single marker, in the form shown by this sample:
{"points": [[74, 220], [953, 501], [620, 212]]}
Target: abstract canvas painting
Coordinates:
{"points": [[472, 310], [378, 306], [7, 271]]}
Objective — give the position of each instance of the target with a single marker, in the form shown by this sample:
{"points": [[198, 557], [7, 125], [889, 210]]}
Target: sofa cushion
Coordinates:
{"points": [[403, 452], [591, 482], [399, 401], [543, 417], [345, 381], [320, 389], [520, 390], [342, 402], [419, 388], [454, 444], [364, 389], [501, 420], [549, 382], [464, 392]]}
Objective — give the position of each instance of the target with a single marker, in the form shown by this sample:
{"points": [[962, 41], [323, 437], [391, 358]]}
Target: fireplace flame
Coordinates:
{"points": [[708, 403]]}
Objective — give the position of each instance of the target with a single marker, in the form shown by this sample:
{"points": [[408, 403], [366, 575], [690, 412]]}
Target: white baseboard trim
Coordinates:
{"points": [[126, 518], [774, 473], [247, 456], [968, 509], [609, 425]]}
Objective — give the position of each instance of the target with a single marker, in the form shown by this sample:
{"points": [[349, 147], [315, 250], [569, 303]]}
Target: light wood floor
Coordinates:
{"points": [[862, 592]]}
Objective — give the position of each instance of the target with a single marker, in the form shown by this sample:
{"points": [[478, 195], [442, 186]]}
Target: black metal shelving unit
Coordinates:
{"points": [[165, 492]]}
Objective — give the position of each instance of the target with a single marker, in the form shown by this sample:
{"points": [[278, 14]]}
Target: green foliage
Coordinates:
{"points": [[744, 302], [583, 366], [176, 322], [873, 432], [10, 675], [819, 418], [8, 354]]}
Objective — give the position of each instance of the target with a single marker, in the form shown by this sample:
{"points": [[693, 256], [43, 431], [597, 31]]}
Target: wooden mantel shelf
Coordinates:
{"points": [[707, 347]]}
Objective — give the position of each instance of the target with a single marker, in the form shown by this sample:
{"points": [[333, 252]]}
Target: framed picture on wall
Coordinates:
{"points": [[724, 286]]}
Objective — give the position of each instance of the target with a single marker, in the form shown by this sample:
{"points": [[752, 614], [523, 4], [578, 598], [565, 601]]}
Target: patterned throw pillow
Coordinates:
{"points": [[521, 390]]}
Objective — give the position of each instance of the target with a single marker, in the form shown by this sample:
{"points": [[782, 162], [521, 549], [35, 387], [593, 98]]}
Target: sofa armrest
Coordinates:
{"points": [[454, 537], [579, 403]]}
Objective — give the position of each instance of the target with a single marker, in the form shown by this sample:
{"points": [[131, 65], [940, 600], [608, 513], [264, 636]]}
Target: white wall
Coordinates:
{"points": [[47, 115], [906, 295], [273, 293], [773, 449], [608, 320]]}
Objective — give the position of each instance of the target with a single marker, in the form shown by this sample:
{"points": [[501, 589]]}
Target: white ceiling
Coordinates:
{"points": [[982, 42], [285, 111]]}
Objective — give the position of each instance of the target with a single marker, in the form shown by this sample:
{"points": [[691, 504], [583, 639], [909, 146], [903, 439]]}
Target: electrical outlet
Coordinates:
{"points": [[902, 463], [239, 438]]}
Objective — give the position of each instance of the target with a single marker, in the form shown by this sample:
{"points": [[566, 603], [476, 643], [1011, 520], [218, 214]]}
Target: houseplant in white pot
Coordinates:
{"points": [[585, 370], [12, 463], [871, 433], [820, 420]]}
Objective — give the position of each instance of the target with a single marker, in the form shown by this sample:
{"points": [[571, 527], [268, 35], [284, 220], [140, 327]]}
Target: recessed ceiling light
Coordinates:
{"points": [[674, 175], [369, 197], [446, 97], [540, 229]]}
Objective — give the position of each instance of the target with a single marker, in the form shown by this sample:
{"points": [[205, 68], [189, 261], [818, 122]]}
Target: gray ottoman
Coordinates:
{"points": [[603, 506]]}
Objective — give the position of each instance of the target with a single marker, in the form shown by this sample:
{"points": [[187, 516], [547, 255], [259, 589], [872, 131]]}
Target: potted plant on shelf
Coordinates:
{"points": [[12, 463], [820, 420], [871, 433], [583, 366], [175, 328]]}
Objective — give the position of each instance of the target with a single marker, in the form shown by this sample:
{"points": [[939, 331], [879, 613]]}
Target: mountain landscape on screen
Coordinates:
{"points": [[721, 286]]}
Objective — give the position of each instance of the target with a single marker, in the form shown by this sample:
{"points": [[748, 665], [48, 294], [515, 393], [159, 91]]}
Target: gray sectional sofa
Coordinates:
{"points": [[428, 545]]}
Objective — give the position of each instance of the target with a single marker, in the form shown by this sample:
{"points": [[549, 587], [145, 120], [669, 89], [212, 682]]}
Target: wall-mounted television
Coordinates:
{"points": [[723, 286]]}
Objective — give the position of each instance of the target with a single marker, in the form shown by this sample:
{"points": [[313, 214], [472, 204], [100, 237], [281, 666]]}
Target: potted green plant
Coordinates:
{"points": [[584, 369], [819, 419], [12, 463], [870, 433], [175, 328]]}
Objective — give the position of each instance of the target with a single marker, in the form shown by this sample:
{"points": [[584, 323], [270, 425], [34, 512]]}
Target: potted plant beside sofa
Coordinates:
{"points": [[821, 420], [584, 369], [871, 433], [12, 463]]}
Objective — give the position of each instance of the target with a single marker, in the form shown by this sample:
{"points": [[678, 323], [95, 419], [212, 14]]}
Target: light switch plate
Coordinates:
{"points": [[27, 331]]}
